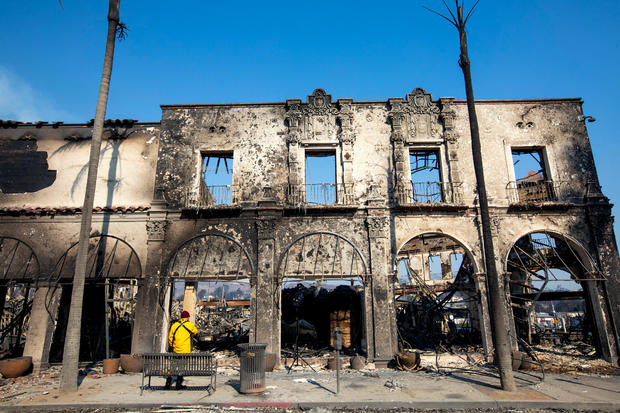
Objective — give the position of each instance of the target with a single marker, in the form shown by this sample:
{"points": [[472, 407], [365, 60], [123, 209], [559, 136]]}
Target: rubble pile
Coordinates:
{"points": [[221, 327], [575, 358]]}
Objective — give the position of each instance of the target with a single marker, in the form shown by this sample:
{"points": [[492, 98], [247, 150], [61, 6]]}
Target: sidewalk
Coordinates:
{"points": [[382, 388]]}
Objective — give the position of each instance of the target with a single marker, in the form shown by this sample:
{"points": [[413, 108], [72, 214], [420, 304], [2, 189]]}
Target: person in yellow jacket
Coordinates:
{"points": [[180, 340]]}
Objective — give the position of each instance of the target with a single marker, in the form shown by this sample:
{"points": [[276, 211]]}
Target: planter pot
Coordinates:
{"points": [[407, 361], [16, 367], [270, 361], [110, 366], [358, 362], [131, 363]]}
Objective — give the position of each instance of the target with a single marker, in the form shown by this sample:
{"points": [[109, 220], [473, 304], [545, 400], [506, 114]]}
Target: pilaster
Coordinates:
{"points": [[384, 343], [151, 318], [41, 328]]}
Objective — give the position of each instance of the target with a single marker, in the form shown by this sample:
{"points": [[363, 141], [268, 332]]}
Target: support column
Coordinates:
{"points": [[382, 300], [604, 335], [41, 327], [190, 299], [266, 311], [608, 291], [152, 307]]}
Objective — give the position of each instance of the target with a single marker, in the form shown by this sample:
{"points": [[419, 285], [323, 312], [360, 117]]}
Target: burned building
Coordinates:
{"points": [[320, 212]]}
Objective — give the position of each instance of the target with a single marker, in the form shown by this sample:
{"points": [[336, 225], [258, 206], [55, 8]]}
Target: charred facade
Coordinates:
{"points": [[365, 212]]}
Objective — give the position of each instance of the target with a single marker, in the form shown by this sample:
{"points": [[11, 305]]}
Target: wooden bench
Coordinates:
{"points": [[178, 364]]}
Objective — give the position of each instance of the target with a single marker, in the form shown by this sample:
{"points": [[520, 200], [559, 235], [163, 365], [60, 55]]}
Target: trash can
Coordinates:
{"points": [[252, 368]]}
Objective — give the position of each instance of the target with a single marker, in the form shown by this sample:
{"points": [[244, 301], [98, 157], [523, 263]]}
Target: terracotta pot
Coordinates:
{"points": [[358, 362], [407, 361], [110, 366], [331, 363], [131, 363], [16, 367], [270, 361]]}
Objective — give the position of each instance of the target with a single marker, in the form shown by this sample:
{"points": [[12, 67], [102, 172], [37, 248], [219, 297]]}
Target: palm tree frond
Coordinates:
{"points": [[441, 15], [471, 11]]}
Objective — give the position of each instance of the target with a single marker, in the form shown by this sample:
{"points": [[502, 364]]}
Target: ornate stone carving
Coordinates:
{"points": [[293, 117], [315, 120], [417, 118], [347, 133], [421, 102], [156, 230], [266, 228], [377, 226], [495, 223], [294, 137], [319, 103], [448, 116]]}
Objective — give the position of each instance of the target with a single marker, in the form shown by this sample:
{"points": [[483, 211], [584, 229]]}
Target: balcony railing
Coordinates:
{"points": [[321, 194], [428, 193], [535, 191], [212, 196]]}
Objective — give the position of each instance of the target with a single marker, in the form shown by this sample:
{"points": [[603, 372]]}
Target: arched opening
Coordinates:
{"points": [[322, 278], [113, 269], [435, 295], [19, 275], [212, 277], [549, 277]]}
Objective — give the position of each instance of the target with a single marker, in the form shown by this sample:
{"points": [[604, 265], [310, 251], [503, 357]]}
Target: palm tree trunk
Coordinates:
{"points": [[498, 311], [71, 353]]}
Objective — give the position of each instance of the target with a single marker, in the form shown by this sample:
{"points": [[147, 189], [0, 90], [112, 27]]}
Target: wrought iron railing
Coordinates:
{"points": [[428, 193], [212, 196], [321, 194], [536, 191]]}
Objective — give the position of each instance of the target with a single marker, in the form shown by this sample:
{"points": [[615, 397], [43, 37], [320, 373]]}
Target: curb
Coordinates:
{"points": [[460, 405]]}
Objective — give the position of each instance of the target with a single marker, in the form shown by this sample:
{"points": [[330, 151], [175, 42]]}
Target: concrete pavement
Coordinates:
{"points": [[381, 388]]}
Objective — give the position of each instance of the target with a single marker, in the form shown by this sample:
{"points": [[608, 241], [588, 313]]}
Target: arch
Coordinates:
{"points": [[337, 254], [18, 262], [436, 296], [466, 248], [575, 247], [211, 256], [109, 257]]}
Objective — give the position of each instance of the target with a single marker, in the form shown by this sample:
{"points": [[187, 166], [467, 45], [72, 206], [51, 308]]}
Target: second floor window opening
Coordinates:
{"points": [[426, 185], [528, 164], [216, 183], [532, 183], [321, 177]]}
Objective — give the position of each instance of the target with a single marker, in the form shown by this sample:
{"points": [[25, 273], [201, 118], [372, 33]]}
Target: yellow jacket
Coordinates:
{"points": [[179, 338]]}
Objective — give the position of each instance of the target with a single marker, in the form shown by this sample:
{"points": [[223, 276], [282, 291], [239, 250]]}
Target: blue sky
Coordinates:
{"points": [[237, 51]]}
